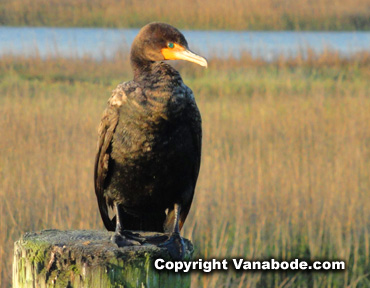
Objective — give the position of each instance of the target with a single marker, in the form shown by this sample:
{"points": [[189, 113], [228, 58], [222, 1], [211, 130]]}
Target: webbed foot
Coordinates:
{"points": [[122, 241], [134, 236], [175, 246], [157, 239]]}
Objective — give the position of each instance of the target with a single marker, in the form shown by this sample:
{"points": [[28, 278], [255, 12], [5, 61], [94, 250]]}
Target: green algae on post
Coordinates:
{"points": [[84, 258]]}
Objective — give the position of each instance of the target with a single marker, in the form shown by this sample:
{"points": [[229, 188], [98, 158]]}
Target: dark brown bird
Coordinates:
{"points": [[149, 145]]}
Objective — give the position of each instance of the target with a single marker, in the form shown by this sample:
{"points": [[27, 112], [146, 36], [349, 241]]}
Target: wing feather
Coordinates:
{"points": [[196, 128], [106, 130]]}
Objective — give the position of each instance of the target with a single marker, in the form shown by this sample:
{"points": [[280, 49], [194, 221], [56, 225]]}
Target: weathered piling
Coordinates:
{"points": [[86, 258]]}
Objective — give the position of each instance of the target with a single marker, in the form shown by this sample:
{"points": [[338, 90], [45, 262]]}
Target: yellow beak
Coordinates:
{"points": [[178, 52]]}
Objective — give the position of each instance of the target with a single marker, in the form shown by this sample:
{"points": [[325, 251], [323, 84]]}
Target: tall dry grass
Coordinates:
{"points": [[285, 166], [219, 14]]}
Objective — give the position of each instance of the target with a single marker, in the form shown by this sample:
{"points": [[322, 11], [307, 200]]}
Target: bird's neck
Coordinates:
{"points": [[141, 68], [146, 72]]}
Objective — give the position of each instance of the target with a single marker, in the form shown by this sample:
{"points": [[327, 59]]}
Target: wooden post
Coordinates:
{"points": [[86, 258]]}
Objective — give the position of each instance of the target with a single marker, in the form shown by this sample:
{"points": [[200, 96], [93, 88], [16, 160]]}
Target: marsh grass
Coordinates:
{"points": [[285, 164], [195, 14]]}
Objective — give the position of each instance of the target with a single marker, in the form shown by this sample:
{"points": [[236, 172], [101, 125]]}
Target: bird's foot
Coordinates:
{"points": [[157, 239], [175, 246], [122, 241], [134, 236]]}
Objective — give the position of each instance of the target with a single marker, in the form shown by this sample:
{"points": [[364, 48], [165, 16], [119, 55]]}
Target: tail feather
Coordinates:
{"points": [[110, 224]]}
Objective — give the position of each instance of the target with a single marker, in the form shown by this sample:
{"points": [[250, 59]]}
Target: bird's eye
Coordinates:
{"points": [[170, 45]]}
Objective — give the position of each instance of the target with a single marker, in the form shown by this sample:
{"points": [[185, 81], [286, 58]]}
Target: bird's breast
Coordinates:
{"points": [[151, 158], [151, 123]]}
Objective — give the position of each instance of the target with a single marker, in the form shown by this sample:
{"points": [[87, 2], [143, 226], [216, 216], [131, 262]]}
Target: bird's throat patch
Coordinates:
{"points": [[172, 53]]}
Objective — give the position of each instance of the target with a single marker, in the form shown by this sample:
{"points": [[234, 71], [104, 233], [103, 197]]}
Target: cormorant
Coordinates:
{"points": [[149, 145]]}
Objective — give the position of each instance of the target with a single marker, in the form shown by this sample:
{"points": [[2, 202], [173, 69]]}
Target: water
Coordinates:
{"points": [[102, 42]]}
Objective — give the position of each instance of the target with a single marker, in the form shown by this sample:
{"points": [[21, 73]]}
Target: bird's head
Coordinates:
{"points": [[160, 41]]}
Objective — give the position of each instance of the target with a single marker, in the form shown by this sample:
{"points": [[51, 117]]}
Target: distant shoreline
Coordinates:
{"points": [[347, 28], [261, 15]]}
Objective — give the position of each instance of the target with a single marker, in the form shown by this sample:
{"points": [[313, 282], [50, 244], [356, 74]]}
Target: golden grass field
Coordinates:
{"points": [[285, 167], [195, 14]]}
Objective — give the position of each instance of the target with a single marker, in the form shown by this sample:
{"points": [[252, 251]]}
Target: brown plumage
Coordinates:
{"points": [[149, 145]]}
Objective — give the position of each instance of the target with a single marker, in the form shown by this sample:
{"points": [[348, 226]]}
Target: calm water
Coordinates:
{"points": [[101, 42]]}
